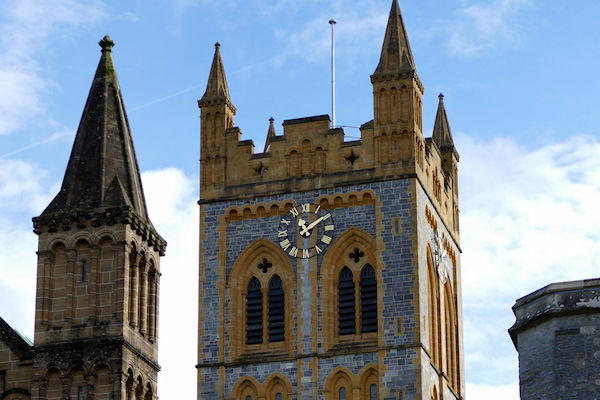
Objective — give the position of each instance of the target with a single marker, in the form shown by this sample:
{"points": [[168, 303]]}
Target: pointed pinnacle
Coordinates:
{"points": [[396, 54], [270, 134], [442, 135], [106, 43]]}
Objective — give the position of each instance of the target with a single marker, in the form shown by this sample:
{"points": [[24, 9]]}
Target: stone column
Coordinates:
{"points": [[90, 385], [66, 387], [152, 305], [42, 296], [143, 296], [133, 291], [70, 284], [93, 284], [120, 391]]}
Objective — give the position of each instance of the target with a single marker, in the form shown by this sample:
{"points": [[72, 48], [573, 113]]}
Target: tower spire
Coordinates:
{"points": [[270, 134], [216, 89], [102, 171], [442, 136], [396, 55]]}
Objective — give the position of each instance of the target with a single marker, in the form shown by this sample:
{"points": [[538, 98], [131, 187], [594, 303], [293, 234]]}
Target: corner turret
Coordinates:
{"points": [[216, 117], [397, 98]]}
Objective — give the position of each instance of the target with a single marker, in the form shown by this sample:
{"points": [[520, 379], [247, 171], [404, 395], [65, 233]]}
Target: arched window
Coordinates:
{"points": [[346, 303], [368, 299], [373, 392], [254, 317], [342, 394], [276, 326]]}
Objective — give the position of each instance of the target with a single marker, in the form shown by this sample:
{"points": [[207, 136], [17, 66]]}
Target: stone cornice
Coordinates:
{"points": [[67, 220]]}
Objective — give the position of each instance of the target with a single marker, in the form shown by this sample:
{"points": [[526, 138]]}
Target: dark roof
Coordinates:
{"points": [[102, 171], [16, 343], [442, 136], [396, 55]]}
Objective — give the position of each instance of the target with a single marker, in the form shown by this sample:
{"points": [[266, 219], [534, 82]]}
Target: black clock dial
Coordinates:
{"points": [[305, 231]]}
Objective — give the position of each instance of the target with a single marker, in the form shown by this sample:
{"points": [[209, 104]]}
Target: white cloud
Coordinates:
{"points": [[485, 24], [311, 40], [23, 194], [489, 392], [171, 198], [528, 218], [26, 28]]}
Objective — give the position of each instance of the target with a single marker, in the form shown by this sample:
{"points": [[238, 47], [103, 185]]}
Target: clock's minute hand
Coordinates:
{"points": [[305, 229]]}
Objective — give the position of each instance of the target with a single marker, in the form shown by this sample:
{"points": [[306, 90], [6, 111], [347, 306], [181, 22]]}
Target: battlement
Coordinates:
{"points": [[310, 155]]}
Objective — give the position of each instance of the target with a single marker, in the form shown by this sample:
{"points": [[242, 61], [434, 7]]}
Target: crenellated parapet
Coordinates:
{"points": [[310, 155]]}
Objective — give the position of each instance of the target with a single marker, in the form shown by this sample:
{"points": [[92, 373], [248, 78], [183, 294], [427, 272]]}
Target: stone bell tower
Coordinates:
{"points": [[330, 268], [98, 274]]}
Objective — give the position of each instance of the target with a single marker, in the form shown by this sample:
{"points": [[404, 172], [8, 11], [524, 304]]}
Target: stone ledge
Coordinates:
{"points": [[561, 298]]}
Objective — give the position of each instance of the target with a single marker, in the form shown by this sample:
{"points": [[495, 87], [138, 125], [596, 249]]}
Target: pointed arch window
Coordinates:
{"points": [[276, 325], [346, 302], [373, 392], [254, 313], [342, 393], [368, 299]]}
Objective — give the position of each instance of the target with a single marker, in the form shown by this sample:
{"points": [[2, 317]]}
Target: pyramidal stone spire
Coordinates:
{"points": [[442, 136], [396, 55], [270, 134], [217, 90], [102, 171]]}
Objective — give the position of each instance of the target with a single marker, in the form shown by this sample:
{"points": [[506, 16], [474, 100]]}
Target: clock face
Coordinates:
{"points": [[305, 231], [440, 256]]}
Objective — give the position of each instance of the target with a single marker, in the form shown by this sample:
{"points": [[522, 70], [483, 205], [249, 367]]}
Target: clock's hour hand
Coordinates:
{"points": [[305, 229]]}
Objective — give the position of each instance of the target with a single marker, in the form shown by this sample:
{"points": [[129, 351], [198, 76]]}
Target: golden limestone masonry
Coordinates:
{"points": [[330, 269]]}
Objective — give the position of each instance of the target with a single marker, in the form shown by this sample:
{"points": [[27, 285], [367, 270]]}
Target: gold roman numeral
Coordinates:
{"points": [[282, 233], [329, 227], [305, 253], [285, 244], [294, 212], [305, 207], [326, 239], [285, 221], [294, 251]]}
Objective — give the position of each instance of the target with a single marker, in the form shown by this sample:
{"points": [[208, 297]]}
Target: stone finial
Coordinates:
{"points": [[217, 45], [106, 43], [441, 97]]}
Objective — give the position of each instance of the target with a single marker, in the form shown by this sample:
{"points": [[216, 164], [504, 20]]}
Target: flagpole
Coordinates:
{"points": [[332, 23]]}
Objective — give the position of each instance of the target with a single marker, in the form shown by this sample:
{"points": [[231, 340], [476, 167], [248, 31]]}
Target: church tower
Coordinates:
{"points": [[330, 269], [98, 264]]}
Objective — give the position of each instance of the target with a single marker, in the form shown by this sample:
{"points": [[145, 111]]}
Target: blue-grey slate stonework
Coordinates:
{"points": [[397, 286]]}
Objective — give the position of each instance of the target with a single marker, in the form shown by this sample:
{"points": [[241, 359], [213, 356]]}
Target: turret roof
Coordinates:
{"points": [[442, 135], [102, 171], [216, 88], [396, 55]]}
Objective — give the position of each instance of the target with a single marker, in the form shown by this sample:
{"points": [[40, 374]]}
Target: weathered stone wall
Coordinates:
{"points": [[15, 364], [556, 335], [383, 211]]}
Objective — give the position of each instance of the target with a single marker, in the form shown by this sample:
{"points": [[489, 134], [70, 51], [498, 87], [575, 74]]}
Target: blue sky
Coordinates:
{"points": [[520, 79]]}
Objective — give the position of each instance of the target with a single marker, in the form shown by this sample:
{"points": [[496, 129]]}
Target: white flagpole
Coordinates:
{"points": [[332, 23]]}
